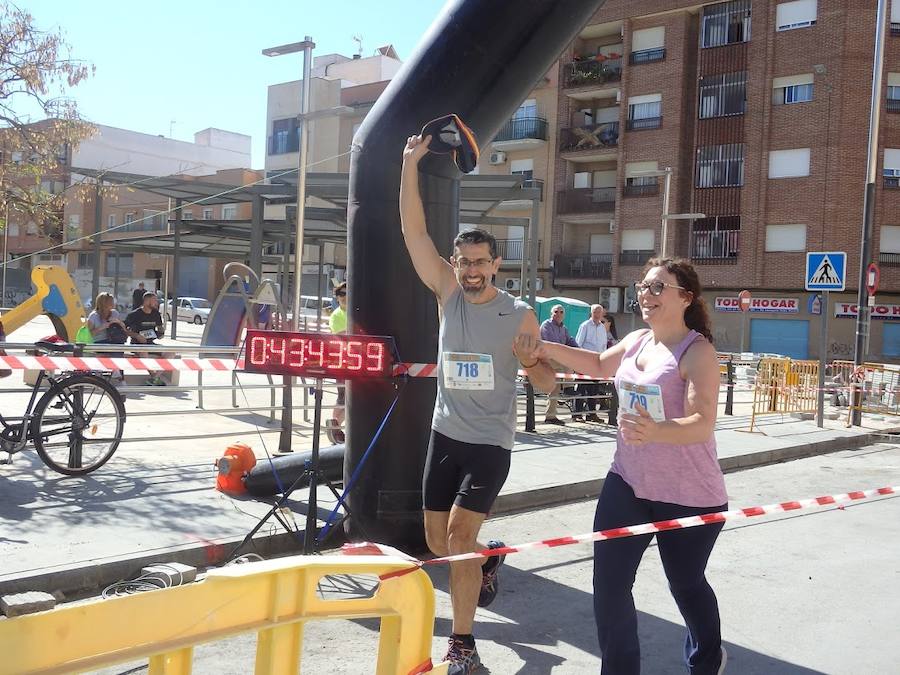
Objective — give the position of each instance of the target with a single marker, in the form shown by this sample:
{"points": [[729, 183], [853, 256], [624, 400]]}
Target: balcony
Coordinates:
{"points": [[591, 140], [512, 250], [889, 259], [892, 182], [521, 134], [893, 105], [714, 247], [644, 123], [521, 204], [586, 201], [895, 29], [592, 73], [582, 266], [635, 257], [647, 56], [641, 189]]}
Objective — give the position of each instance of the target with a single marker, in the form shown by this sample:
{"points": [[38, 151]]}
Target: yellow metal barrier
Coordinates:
{"points": [[784, 386], [875, 389], [273, 598]]}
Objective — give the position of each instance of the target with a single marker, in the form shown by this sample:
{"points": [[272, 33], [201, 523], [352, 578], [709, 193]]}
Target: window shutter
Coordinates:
{"points": [[648, 38], [789, 163]]}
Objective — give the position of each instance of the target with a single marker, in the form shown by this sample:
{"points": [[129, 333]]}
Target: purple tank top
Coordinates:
{"points": [[688, 475]]}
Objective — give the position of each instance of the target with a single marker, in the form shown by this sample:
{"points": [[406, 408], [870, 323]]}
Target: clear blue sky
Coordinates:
{"points": [[198, 62]]}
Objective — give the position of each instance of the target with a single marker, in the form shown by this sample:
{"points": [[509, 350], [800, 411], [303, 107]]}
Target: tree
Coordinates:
{"points": [[39, 125]]}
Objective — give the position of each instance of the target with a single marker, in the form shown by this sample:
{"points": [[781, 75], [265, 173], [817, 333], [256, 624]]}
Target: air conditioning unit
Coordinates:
{"points": [[611, 299], [630, 296], [498, 157], [540, 284], [513, 284], [612, 226]]}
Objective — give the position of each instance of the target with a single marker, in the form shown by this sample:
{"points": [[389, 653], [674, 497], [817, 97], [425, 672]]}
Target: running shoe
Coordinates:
{"points": [[489, 582], [722, 662], [463, 660]]}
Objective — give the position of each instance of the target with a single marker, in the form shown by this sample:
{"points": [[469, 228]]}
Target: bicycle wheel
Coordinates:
{"points": [[78, 424]]}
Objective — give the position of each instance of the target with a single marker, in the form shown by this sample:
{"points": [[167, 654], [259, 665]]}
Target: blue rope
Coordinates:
{"points": [[356, 472]]}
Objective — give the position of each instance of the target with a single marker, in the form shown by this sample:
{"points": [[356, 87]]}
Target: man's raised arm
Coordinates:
{"points": [[433, 270]]}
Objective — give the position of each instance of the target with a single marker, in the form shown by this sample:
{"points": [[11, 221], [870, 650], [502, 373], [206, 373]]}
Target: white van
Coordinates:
{"points": [[310, 303]]}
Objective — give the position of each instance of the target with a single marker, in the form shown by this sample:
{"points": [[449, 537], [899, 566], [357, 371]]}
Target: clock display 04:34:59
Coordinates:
{"points": [[340, 356]]}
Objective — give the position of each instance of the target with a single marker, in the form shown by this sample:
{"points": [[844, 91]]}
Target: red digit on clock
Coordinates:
{"points": [[276, 348], [295, 352], [354, 355], [316, 351], [335, 354], [258, 350], [374, 357]]}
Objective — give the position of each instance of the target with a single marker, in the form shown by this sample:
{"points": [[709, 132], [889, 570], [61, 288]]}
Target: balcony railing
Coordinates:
{"points": [[641, 189], [591, 73], [717, 247], [647, 56], [644, 123], [591, 137], [583, 266], [892, 182], [512, 250], [635, 257], [522, 128], [893, 105], [889, 259], [895, 28], [534, 183], [586, 200]]}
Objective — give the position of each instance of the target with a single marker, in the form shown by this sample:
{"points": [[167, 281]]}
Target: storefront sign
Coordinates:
{"points": [[776, 305], [847, 310]]}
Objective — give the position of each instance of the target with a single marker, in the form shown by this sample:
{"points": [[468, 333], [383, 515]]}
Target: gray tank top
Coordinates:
{"points": [[480, 416]]}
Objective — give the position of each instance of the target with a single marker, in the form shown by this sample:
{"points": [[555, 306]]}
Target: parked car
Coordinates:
{"points": [[195, 310]]}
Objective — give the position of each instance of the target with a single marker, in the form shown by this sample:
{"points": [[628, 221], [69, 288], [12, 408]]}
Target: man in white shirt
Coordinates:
{"points": [[591, 335]]}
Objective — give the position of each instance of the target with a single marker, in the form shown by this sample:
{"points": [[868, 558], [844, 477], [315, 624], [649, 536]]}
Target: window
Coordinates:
{"points": [[52, 259], [126, 264], [153, 220], [726, 23], [893, 92], [13, 229], [207, 214], [789, 163], [797, 14], [644, 112], [720, 165], [111, 220], [794, 89], [786, 237], [31, 228], [891, 168], [187, 215], [648, 44], [528, 110], [129, 222], [285, 136], [638, 240], [85, 261], [582, 179], [229, 212], [890, 239], [722, 95], [641, 186], [716, 239]]}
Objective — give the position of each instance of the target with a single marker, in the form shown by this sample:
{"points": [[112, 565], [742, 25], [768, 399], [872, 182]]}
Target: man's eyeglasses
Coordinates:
{"points": [[480, 263], [655, 287]]}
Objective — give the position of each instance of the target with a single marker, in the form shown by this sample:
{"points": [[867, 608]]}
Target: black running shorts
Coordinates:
{"points": [[466, 474]]}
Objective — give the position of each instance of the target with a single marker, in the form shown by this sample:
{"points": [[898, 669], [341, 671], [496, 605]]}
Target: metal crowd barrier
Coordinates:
{"points": [[274, 599], [875, 389], [784, 386]]}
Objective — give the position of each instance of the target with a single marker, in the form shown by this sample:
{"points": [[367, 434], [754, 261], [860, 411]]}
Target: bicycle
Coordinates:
{"points": [[76, 426]]}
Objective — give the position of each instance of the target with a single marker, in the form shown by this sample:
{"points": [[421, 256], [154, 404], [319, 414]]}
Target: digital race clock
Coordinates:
{"points": [[317, 354]]}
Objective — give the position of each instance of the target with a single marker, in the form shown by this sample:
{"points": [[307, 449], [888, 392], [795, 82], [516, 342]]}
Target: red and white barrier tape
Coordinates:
{"points": [[368, 548], [116, 363]]}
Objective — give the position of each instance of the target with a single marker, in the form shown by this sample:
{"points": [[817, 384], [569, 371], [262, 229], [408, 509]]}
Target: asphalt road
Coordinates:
{"points": [[810, 592]]}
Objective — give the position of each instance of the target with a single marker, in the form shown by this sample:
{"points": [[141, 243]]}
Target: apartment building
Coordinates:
{"points": [[759, 111], [351, 84], [214, 156]]}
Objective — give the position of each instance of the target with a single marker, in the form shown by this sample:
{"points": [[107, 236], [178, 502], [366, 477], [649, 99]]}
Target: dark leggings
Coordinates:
{"points": [[684, 554]]}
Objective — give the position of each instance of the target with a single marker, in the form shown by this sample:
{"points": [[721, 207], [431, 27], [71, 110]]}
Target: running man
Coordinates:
{"points": [[486, 335]]}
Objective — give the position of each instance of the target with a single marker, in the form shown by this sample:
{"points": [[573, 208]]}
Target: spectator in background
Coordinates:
{"points": [[338, 324], [591, 335], [137, 296], [609, 322], [144, 326], [554, 330]]}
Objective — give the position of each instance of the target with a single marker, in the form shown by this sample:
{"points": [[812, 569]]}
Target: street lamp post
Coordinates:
{"points": [[666, 216], [306, 47]]}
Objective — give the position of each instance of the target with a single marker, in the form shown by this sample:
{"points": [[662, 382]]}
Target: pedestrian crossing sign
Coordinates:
{"points": [[826, 271]]}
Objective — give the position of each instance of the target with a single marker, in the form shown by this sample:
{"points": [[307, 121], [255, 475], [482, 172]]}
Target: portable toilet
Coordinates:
{"points": [[577, 311]]}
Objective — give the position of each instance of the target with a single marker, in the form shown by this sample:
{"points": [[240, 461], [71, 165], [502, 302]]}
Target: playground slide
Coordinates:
{"points": [[56, 296]]}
